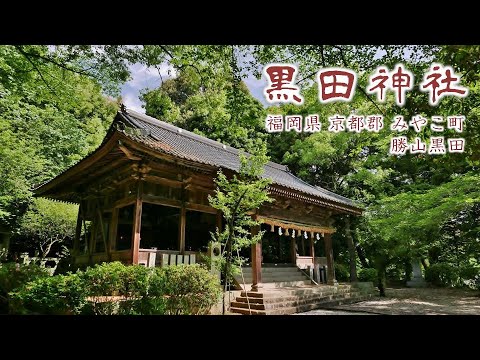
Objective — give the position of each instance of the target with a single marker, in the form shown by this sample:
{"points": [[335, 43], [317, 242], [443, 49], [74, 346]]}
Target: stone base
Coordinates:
{"points": [[417, 283]]}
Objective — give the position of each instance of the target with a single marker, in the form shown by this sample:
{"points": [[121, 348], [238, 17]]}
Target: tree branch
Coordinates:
{"points": [[345, 63], [36, 68], [49, 60]]}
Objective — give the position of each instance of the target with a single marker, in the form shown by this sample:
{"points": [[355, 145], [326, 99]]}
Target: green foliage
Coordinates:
{"points": [[408, 231], [14, 276], [441, 274], [113, 288], [48, 224], [212, 107], [342, 272], [450, 275], [59, 294], [237, 198], [189, 289], [368, 274], [50, 118]]}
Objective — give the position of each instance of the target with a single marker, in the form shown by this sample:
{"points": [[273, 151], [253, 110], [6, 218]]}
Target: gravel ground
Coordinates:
{"points": [[407, 301]]}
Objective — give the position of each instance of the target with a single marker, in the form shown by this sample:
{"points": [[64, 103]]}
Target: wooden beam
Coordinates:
{"points": [[124, 202], [294, 225], [112, 236], [78, 232], [330, 263], [312, 247], [93, 228], [157, 200], [104, 238], [293, 250], [85, 246], [137, 223], [201, 208], [256, 262], [192, 186], [82, 165], [181, 229], [128, 153], [163, 181]]}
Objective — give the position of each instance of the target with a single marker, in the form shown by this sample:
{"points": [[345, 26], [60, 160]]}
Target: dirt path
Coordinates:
{"points": [[406, 301]]}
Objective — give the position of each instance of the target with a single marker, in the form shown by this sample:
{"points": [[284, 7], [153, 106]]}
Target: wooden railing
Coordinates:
{"points": [[154, 257]]}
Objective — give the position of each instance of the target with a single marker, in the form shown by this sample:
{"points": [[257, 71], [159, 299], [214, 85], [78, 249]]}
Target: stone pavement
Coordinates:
{"points": [[409, 301], [332, 312]]}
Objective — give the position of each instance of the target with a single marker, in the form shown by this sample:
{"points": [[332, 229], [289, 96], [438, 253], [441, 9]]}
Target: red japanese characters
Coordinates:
{"points": [[281, 86], [338, 84]]}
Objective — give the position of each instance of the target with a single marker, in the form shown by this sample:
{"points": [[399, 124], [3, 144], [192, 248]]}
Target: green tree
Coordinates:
{"points": [[45, 127], [214, 107], [48, 225], [238, 198]]}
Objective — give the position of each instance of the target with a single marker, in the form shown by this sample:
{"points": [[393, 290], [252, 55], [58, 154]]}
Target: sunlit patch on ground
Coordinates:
{"points": [[407, 301]]}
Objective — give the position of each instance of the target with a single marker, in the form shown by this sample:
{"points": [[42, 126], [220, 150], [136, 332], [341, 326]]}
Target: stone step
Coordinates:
{"points": [[354, 299], [245, 305], [279, 299], [298, 291], [266, 270], [281, 284], [289, 301], [247, 311], [292, 307], [272, 278], [312, 306]]}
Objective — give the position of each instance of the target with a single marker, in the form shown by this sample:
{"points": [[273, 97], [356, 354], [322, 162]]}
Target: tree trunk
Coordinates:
{"points": [[361, 255], [382, 280], [408, 270], [228, 249], [351, 250]]}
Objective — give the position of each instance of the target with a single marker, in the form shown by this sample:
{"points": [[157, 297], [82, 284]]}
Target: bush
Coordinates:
{"points": [[342, 272], [190, 289], [14, 276], [442, 274], [60, 294], [368, 274], [113, 288]]}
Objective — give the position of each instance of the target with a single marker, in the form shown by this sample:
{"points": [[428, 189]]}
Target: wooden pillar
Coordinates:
{"points": [[181, 229], [330, 264], [312, 248], [256, 262], [102, 229], [112, 236], [137, 223], [78, 232]]}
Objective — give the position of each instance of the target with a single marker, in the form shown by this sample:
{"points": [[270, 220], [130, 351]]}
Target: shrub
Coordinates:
{"points": [[60, 294], [113, 288], [14, 276], [190, 289], [442, 274], [342, 272], [368, 274]]}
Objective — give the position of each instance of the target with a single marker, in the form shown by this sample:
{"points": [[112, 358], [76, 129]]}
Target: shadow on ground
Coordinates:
{"points": [[427, 301]]}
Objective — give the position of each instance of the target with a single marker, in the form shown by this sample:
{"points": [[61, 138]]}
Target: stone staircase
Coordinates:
{"points": [[274, 277], [290, 300]]}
